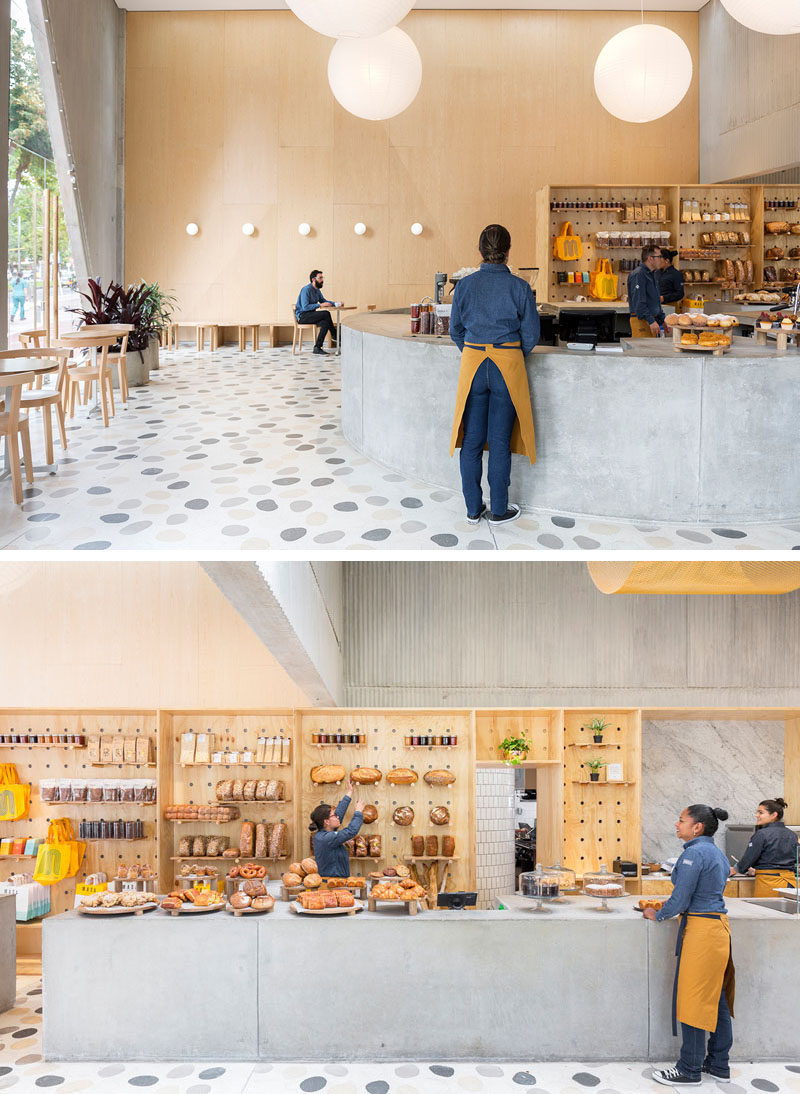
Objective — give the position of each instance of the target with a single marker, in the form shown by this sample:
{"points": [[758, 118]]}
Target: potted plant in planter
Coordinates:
{"points": [[597, 726], [145, 307], [515, 750], [594, 768]]}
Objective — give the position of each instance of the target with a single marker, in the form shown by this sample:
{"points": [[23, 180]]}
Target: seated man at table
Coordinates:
{"points": [[311, 308], [644, 299]]}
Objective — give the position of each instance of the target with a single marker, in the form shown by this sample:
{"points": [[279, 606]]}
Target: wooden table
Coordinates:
{"points": [[344, 307], [96, 330], [13, 367]]}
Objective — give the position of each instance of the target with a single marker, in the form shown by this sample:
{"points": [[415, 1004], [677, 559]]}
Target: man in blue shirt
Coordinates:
{"points": [[330, 853], [310, 308], [644, 298]]}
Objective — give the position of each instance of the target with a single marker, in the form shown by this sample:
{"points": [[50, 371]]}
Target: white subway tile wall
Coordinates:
{"points": [[494, 837]]}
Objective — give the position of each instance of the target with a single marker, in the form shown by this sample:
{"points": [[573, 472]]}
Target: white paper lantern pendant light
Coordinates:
{"points": [[351, 18], [375, 78], [643, 72], [766, 16]]}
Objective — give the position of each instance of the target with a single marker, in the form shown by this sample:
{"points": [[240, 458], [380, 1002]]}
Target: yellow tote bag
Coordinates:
{"points": [[603, 282], [59, 856], [567, 245], [15, 797]]}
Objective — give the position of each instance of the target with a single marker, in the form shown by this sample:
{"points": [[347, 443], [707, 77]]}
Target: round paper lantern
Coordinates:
{"points": [[248, 229], [375, 78], [304, 229], [192, 229], [775, 17], [351, 18], [642, 73], [416, 228]]}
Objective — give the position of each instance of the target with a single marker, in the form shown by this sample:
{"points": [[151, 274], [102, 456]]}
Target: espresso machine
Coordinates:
{"points": [[439, 283]]}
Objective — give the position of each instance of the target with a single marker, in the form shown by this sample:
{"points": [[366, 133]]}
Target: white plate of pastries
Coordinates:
{"points": [[692, 320], [128, 903]]}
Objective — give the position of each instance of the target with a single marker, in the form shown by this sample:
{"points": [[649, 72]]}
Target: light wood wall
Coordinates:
{"points": [[230, 119], [127, 635]]}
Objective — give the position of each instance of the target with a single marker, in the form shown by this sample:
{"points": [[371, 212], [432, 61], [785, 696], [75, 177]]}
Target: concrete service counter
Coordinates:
{"points": [[649, 434], [8, 951], [510, 985]]}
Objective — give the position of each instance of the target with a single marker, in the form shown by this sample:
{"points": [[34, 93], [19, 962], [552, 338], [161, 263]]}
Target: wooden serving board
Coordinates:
{"points": [[117, 910], [718, 351], [248, 911], [412, 906], [194, 909], [357, 907]]}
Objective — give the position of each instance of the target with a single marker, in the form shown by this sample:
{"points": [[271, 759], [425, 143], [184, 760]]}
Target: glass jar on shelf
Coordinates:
{"points": [[603, 885]]}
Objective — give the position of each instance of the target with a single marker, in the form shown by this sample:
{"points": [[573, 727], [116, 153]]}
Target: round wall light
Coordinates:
{"points": [[359, 228], [642, 73], [192, 229], [304, 229], [375, 78], [248, 229], [416, 228], [777, 17], [351, 18]]}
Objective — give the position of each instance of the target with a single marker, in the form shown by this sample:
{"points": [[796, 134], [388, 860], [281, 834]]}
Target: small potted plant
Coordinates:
{"points": [[594, 768], [597, 727], [515, 750]]}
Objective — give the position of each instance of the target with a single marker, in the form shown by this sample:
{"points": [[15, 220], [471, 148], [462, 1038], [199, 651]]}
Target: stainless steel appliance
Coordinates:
{"points": [[439, 285]]}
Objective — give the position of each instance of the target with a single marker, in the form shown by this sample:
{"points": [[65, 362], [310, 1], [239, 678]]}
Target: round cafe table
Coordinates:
{"points": [[13, 367]]}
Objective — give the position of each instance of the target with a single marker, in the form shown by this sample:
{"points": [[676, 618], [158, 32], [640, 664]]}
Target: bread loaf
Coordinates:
{"points": [[402, 776], [249, 790], [184, 846], [261, 790], [199, 846], [417, 846], [237, 790], [247, 837], [439, 778], [431, 845], [440, 814], [327, 773], [291, 880], [275, 791], [375, 844], [312, 881], [403, 815], [366, 775], [224, 790], [239, 899], [345, 899], [448, 846], [360, 845], [308, 866], [369, 814], [277, 840], [263, 903], [261, 841]]}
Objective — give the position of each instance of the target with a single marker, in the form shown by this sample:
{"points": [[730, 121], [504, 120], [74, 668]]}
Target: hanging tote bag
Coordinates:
{"points": [[567, 245], [59, 856], [603, 282], [15, 797]]}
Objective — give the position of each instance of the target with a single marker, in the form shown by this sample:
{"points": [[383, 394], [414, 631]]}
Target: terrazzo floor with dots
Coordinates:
{"points": [[23, 1069], [244, 451]]}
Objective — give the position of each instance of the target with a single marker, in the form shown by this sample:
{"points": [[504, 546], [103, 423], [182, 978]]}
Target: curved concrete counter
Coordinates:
{"points": [[650, 434]]}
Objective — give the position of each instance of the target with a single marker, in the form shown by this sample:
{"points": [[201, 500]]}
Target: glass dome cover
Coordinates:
{"points": [[603, 883], [539, 884], [565, 876]]}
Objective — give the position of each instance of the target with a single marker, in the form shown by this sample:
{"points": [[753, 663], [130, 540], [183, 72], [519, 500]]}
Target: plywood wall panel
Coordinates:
{"points": [[219, 103]]}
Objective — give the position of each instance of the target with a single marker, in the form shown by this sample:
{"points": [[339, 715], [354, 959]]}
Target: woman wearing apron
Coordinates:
{"points": [[772, 851], [495, 324], [704, 979]]}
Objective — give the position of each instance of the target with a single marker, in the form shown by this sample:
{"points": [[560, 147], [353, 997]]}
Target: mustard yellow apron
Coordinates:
{"points": [[640, 328], [705, 967], [769, 880], [511, 363]]}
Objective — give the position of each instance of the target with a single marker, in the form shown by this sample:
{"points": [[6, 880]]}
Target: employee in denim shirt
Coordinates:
{"points": [[704, 979], [494, 323]]}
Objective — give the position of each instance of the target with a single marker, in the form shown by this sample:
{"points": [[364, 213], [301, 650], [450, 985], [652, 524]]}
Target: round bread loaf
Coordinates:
{"points": [[254, 887], [312, 881], [366, 775], [239, 899], [263, 904], [403, 815], [402, 776], [402, 871], [369, 814], [440, 814], [439, 778], [309, 866], [296, 868], [390, 872], [291, 881]]}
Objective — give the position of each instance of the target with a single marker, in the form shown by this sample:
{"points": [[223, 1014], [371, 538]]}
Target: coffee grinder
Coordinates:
{"points": [[439, 283]]}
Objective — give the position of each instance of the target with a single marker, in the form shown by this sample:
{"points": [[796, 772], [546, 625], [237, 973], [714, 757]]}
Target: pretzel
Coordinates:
{"points": [[261, 871], [249, 870], [234, 871]]}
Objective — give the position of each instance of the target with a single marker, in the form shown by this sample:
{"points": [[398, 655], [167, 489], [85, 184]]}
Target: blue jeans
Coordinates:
{"points": [[693, 1050], [489, 416]]}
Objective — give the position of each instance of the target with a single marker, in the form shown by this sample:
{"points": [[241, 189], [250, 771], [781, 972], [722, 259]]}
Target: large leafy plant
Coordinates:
{"points": [[146, 307]]}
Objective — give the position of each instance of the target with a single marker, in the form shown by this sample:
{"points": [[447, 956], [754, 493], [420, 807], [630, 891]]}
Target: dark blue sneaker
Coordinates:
{"points": [[476, 519], [720, 1078]]}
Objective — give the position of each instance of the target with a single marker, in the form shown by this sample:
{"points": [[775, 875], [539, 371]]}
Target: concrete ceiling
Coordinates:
{"points": [[472, 5]]}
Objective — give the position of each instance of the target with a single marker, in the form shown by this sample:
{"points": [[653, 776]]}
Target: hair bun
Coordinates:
{"points": [[781, 803], [720, 814]]}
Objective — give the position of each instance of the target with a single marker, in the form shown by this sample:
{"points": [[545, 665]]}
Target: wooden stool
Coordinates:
{"points": [[243, 330], [14, 426], [213, 336]]}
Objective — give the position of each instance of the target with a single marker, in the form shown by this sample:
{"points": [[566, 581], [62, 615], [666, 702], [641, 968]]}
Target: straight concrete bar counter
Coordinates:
{"points": [[8, 951], [571, 983], [649, 434]]}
